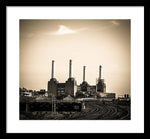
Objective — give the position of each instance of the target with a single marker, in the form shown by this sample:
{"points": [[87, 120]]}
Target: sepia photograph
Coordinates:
{"points": [[74, 69]]}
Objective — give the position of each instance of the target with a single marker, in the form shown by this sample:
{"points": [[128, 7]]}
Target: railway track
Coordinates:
{"points": [[94, 110], [99, 111], [126, 114]]}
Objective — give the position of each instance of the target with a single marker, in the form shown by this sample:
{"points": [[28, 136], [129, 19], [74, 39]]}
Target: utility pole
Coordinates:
{"points": [[53, 104]]}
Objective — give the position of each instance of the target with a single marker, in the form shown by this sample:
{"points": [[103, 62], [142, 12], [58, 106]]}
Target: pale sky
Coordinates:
{"points": [[87, 43]]}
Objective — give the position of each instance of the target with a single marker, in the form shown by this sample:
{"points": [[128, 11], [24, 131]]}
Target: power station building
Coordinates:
{"points": [[65, 89], [70, 87]]}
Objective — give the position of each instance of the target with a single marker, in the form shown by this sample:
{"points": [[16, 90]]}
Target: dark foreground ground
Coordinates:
{"points": [[94, 110]]}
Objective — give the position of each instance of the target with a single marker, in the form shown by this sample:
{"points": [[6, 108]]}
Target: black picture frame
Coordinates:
{"points": [[3, 31]]}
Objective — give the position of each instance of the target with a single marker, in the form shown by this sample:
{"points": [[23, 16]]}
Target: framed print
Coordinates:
{"points": [[74, 69]]}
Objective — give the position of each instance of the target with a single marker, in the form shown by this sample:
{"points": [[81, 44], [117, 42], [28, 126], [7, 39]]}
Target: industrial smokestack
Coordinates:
{"points": [[52, 68], [70, 68], [84, 73], [100, 68]]}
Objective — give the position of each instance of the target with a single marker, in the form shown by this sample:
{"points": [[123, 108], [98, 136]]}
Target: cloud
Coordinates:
{"points": [[65, 30], [109, 25], [115, 23]]}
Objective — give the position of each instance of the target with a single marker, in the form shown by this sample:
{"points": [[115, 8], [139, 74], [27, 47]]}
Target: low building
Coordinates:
{"points": [[28, 94], [68, 99], [106, 95]]}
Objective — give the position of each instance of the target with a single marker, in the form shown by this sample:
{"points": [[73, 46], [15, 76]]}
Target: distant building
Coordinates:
{"points": [[70, 87], [106, 95], [67, 88], [91, 89], [28, 94], [68, 98], [60, 88], [124, 97], [42, 92]]}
